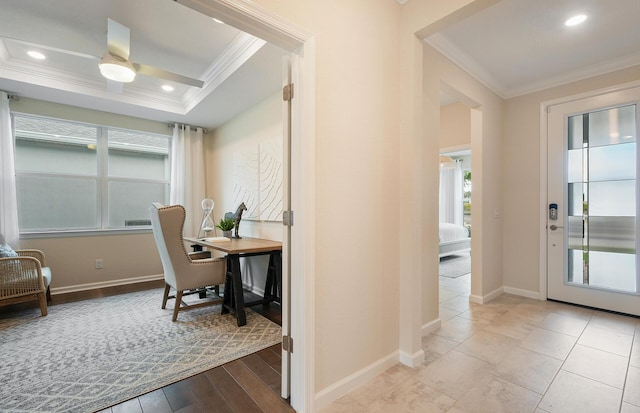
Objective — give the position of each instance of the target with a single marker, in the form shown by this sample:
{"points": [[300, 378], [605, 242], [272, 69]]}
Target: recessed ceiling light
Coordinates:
{"points": [[575, 20], [36, 55], [217, 20], [167, 88]]}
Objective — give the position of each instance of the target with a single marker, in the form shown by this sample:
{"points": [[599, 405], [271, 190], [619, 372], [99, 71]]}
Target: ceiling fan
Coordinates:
{"points": [[115, 64]]}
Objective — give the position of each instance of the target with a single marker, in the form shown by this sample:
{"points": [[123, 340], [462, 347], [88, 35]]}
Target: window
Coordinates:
{"points": [[73, 176]]}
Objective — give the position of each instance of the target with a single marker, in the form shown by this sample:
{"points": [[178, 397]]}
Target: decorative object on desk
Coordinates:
{"points": [[208, 222], [237, 216], [226, 224], [113, 357]]}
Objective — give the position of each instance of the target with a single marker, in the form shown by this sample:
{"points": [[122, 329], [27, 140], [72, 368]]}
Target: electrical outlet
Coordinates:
{"points": [[99, 264]]}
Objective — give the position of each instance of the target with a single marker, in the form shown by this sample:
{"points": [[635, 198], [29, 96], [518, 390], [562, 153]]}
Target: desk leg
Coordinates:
{"points": [[234, 299], [273, 285]]}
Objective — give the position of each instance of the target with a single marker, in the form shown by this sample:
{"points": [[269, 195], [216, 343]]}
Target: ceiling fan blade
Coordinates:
{"points": [[118, 39], [163, 74]]}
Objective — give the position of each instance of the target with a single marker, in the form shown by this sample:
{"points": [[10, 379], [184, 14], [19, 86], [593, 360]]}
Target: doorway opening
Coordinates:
{"points": [[455, 206]]}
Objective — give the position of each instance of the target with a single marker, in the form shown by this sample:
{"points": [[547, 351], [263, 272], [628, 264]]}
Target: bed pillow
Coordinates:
{"points": [[7, 252]]}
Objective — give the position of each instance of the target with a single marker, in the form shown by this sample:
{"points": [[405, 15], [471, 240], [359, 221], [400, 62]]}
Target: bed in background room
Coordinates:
{"points": [[454, 239]]}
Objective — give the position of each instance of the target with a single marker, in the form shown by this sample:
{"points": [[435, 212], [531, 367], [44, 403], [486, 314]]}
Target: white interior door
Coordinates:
{"points": [[592, 219]]}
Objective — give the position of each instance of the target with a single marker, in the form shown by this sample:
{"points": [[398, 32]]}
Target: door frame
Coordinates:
{"points": [[544, 136], [269, 26]]}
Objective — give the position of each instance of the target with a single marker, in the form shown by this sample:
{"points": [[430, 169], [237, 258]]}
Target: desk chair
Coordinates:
{"points": [[182, 271]]}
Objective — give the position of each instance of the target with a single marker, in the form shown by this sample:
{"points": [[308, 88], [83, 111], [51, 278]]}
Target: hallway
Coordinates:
{"points": [[513, 354]]}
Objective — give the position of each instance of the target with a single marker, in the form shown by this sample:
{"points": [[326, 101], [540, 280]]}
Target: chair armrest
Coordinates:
{"points": [[199, 255], [37, 254], [20, 276]]}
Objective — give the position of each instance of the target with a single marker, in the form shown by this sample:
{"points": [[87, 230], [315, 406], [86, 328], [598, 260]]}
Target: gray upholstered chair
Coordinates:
{"points": [[25, 277], [182, 271]]}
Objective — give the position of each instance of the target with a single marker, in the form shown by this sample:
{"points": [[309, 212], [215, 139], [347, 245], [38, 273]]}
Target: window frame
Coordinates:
{"points": [[101, 177]]}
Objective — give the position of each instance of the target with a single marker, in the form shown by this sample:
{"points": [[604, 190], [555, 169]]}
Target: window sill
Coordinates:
{"points": [[84, 233]]}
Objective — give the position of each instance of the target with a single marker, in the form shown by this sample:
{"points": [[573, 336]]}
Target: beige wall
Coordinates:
{"points": [[418, 149], [257, 125], [357, 122], [127, 259], [485, 121], [455, 125], [247, 130], [521, 177]]}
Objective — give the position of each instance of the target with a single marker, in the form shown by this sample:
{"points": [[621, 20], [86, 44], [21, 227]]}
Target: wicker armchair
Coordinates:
{"points": [[25, 278]]}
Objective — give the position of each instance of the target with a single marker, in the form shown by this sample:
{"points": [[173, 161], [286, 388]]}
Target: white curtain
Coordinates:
{"points": [[187, 174], [451, 193], [8, 200]]}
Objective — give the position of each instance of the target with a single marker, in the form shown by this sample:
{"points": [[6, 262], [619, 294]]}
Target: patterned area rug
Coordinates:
{"points": [[455, 266], [88, 355]]}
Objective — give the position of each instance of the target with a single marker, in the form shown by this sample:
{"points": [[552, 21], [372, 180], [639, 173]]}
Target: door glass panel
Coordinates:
{"points": [[612, 162], [611, 270], [612, 198], [575, 165], [576, 267], [612, 126], [601, 221], [576, 132], [612, 234]]}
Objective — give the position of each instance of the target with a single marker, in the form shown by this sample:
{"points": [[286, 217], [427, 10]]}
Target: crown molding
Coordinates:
{"points": [[251, 18], [231, 59], [466, 63]]}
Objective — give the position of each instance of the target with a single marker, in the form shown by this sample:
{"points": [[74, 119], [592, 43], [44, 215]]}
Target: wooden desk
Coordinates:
{"points": [[246, 247]]}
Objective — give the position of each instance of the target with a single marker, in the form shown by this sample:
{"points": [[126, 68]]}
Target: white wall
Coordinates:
{"points": [[521, 178]]}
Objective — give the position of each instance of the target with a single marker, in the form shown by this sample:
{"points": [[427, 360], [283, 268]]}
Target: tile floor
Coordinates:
{"points": [[511, 355]]}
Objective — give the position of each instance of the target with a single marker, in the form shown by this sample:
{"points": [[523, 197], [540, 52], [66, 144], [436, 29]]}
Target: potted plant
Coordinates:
{"points": [[226, 225]]}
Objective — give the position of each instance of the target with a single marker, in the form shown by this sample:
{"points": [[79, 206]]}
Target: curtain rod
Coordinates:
{"points": [[11, 95], [173, 125]]}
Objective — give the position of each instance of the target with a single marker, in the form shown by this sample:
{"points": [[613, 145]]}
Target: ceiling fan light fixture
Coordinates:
{"points": [[36, 55], [576, 20], [114, 68]]}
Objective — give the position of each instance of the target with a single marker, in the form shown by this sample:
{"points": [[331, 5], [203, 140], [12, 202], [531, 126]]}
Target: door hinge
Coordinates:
{"points": [[287, 92], [287, 218], [287, 344]]}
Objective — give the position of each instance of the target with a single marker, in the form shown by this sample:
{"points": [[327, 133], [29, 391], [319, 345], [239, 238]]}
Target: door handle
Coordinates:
{"points": [[554, 227]]}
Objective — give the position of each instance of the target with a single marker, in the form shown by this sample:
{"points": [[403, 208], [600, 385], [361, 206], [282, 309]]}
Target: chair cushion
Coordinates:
{"points": [[7, 252], [46, 276]]}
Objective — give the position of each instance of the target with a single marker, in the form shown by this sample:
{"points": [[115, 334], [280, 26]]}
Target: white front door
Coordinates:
{"points": [[592, 225]]}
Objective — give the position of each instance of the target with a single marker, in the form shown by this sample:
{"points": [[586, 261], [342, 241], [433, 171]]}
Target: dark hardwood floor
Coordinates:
{"points": [[248, 385]]}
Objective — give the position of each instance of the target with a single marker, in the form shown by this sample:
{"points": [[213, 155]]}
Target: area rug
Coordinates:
{"points": [[455, 266], [89, 355]]}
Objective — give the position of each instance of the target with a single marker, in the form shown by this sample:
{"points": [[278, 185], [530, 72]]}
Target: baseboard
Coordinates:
{"points": [[412, 360], [523, 293], [105, 284], [486, 298], [332, 393], [431, 327], [253, 289]]}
